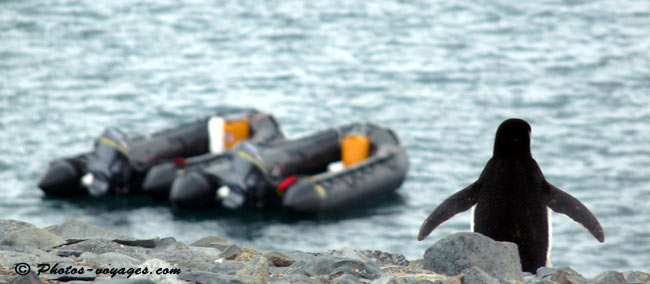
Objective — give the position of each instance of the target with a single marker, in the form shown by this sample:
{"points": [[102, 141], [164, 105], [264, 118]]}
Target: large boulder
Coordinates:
{"points": [[461, 251]]}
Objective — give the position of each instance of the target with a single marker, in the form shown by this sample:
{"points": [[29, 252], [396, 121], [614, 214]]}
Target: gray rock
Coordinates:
{"points": [[9, 259], [329, 265], [637, 277], [164, 278], [67, 252], [35, 237], [144, 243], [300, 255], [609, 277], [192, 258], [75, 229], [168, 243], [385, 258], [301, 267], [110, 259], [68, 272], [7, 226], [386, 279], [206, 278], [561, 275], [126, 281], [212, 242], [347, 278], [227, 267], [279, 259], [100, 246], [30, 278], [475, 275], [298, 279], [453, 254], [411, 274], [231, 252], [348, 253], [256, 271], [418, 263]]}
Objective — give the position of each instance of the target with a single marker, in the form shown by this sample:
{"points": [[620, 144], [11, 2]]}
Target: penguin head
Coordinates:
{"points": [[512, 138]]}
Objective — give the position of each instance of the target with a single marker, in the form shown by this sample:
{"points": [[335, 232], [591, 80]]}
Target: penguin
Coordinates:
{"points": [[511, 200]]}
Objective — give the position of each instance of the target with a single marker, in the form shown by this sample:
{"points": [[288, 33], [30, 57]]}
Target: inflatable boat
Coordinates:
{"points": [[320, 172], [117, 164]]}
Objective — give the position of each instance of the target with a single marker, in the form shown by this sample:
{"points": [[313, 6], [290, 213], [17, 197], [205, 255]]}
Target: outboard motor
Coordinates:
{"points": [[108, 167], [244, 183]]}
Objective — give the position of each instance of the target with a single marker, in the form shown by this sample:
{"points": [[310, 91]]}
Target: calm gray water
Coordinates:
{"points": [[442, 74]]}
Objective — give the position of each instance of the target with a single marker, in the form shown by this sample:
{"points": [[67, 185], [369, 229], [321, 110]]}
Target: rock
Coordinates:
{"points": [[410, 273], [302, 267], [30, 278], [298, 279], [126, 281], [561, 275], [384, 258], [386, 279], [609, 277], [144, 243], [329, 265], [256, 271], [247, 254], [453, 254], [227, 267], [69, 272], [206, 278], [231, 252], [191, 258], [168, 243], [9, 259], [279, 259], [347, 278], [7, 226], [111, 259], [164, 278], [475, 275], [299, 255], [100, 246], [418, 263], [75, 229], [637, 277], [212, 242], [35, 237]]}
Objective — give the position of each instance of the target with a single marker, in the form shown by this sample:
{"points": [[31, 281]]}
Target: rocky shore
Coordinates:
{"points": [[76, 253]]}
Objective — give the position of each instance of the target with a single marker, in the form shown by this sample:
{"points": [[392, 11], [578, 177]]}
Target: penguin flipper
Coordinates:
{"points": [[458, 202], [562, 202]]}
